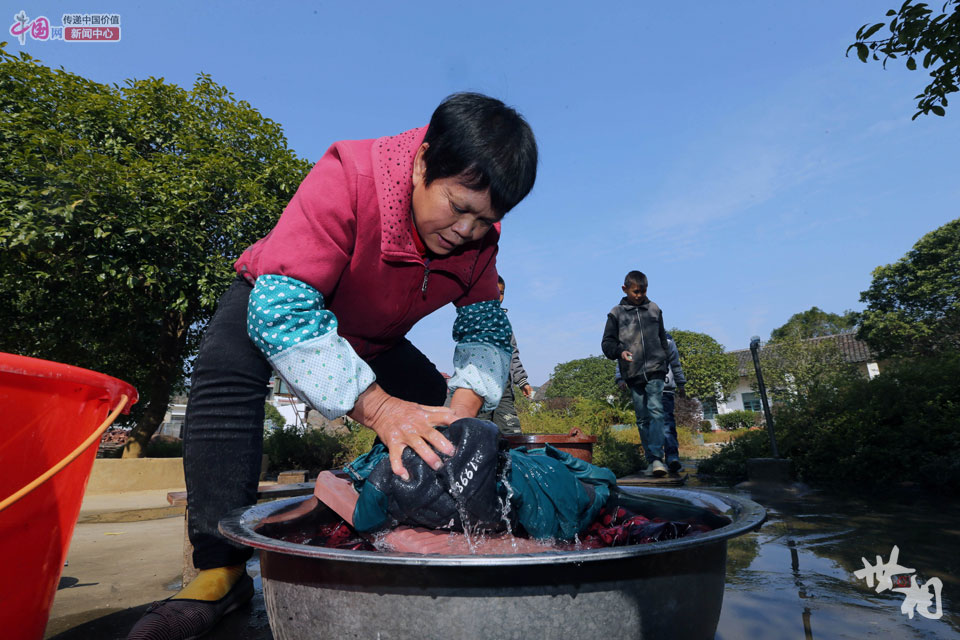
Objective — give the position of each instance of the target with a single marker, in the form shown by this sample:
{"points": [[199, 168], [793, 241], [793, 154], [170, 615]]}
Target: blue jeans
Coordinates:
{"points": [[648, 406], [670, 445]]}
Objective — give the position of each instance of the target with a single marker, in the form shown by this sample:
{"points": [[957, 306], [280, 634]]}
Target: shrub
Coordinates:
{"points": [[739, 420], [296, 448], [731, 461], [868, 434], [687, 412], [594, 417], [358, 441], [164, 447], [619, 451]]}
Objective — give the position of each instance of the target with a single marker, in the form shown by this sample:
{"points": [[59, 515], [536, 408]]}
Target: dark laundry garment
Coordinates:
{"points": [[619, 527], [466, 487], [545, 493]]}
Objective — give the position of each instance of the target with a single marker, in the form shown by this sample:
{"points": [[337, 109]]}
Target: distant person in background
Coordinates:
{"points": [[505, 415], [675, 382]]}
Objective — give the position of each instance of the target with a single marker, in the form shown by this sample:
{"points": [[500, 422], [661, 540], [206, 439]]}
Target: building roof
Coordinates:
{"points": [[853, 350]]}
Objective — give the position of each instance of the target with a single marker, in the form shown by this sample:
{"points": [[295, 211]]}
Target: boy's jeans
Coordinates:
{"points": [[648, 406], [671, 447]]}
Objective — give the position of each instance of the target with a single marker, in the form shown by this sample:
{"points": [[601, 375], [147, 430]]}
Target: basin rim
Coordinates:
{"points": [[746, 516]]}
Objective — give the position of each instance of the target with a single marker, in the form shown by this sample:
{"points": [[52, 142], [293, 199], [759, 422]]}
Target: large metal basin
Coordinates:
{"points": [[671, 589]]}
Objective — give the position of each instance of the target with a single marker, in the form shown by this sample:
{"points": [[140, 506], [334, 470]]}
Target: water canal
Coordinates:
{"points": [[794, 578]]}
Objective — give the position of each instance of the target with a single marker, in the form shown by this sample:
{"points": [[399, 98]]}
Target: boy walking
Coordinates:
{"points": [[635, 337]]}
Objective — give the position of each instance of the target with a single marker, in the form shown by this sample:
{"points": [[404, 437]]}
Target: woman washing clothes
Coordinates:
{"points": [[380, 233]]}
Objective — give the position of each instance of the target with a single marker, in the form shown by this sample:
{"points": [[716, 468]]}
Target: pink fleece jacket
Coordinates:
{"points": [[347, 233]]}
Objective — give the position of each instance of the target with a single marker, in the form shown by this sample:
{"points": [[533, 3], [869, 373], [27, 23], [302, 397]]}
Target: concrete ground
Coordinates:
{"points": [[120, 561]]}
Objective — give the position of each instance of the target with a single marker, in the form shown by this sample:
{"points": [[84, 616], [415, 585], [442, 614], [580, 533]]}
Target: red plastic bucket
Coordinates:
{"points": [[51, 414]]}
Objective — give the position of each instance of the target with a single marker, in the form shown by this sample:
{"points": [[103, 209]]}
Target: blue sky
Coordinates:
{"points": [[728, 150]]}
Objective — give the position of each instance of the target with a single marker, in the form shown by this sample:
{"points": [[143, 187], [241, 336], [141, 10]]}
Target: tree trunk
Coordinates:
{"points": [[172, 342]]}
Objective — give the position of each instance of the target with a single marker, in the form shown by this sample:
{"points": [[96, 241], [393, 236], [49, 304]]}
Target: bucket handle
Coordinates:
{"points": [[70, 457]]}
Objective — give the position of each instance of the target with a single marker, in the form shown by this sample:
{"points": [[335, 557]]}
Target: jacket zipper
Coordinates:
{"points": [[411, 300], [426, 276], [643, 346]]}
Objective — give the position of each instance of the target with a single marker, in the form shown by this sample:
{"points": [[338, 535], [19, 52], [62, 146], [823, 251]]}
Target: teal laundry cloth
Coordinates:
{"points": [[556, 495], [552, 494]]}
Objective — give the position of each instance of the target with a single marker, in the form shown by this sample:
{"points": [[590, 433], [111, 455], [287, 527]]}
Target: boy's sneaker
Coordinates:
{"points": [[674, 465], [657, 469]]}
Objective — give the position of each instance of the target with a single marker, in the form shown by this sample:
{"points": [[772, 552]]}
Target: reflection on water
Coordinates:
{"points": [[794, 578]]}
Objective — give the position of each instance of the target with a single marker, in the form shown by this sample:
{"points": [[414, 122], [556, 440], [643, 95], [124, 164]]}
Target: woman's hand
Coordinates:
{"points": [[401, 424]]}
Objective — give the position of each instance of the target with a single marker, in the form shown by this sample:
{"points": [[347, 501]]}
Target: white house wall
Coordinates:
{"points": [[290, 408]]}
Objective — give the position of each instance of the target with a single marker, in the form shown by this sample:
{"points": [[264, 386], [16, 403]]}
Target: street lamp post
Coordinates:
{"points": [[755, 351]]}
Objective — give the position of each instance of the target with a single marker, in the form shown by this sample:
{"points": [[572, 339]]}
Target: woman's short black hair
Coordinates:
{"points": [[487, 143]]}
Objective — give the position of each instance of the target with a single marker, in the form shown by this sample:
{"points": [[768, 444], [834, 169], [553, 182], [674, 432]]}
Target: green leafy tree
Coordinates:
{"points": [[913, 305], [121, 211], [814, 323], [591, 378], [739, 420], [917, 34], [272, 418], [711, 373], [794, 368]]}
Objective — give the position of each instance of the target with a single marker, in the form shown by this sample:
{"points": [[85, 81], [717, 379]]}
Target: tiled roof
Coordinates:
{"points": [[853, 350], [744, 361]]}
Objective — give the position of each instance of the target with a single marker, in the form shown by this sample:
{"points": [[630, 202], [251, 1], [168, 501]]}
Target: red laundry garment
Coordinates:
{"points": [[624, 527], [335, 535]]}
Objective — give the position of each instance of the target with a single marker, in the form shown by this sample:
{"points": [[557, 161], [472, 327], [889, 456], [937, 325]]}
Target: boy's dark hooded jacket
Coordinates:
{"points": [[639, 330]]}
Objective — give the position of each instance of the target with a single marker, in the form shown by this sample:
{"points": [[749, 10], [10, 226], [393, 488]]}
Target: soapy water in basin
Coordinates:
{"points": [[614, 526]]}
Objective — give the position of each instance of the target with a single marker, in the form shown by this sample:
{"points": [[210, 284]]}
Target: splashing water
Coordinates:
{"points": [[505, 504], [469, 532]]}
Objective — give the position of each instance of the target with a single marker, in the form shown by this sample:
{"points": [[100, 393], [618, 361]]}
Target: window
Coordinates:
{"points": [[709, 409], [281, 388], [173, 428], [751, 402]]}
